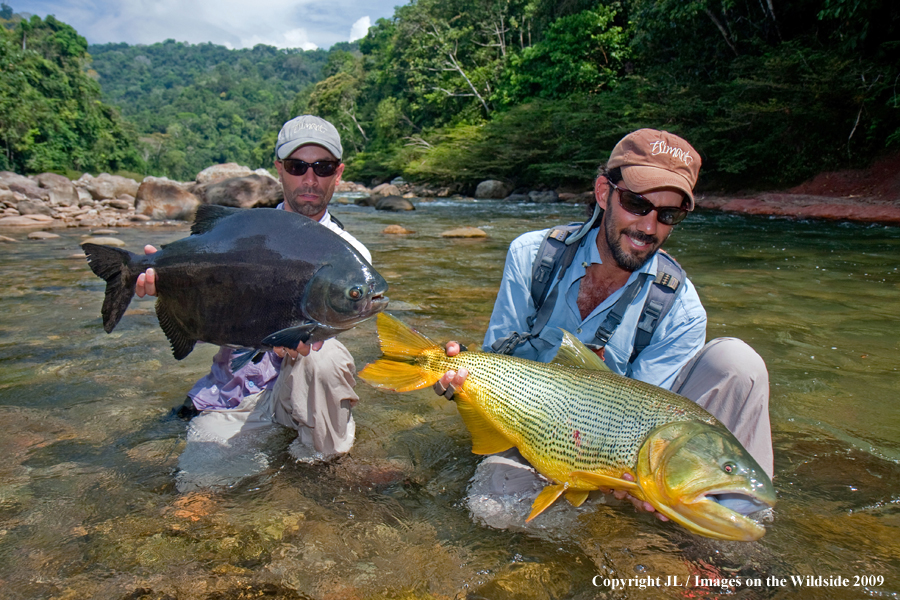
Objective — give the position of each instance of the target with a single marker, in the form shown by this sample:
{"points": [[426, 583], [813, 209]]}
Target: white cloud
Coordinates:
{"points": [[232, 23], [360, 28]]}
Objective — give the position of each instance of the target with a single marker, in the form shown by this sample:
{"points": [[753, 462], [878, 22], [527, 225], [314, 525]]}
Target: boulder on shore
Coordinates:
{"points": [[395, 203], [163, 199], [248, 191], [492, 189]]}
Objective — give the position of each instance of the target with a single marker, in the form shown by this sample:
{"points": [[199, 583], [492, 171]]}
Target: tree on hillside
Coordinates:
{"points": [[51, 117]]}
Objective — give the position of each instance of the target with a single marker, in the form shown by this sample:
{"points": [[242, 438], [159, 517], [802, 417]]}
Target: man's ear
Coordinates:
{"points": [[601, 191]]}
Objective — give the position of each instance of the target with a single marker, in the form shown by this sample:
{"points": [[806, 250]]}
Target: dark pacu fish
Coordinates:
{"points": [[246, 278]]}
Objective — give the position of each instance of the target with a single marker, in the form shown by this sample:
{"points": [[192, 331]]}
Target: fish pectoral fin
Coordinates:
{"points": [[396, 376], [182, 342], [543, 501], [605, 481], [576, 497], [573, 353], [244, 356], [290, 337], [486, 439]]}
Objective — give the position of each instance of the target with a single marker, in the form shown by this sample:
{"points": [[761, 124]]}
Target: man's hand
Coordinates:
{"points": [[302, 350], [451, 380], [146, 286], [639, 505], [146, 281]]}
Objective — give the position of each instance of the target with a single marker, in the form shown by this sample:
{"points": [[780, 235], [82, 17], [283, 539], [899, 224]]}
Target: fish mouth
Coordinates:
{"points": [[728, 514], [378, 303]]}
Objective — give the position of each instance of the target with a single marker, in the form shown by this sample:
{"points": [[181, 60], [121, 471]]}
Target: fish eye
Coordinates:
{"points": [[355, 293], [729, 467]]}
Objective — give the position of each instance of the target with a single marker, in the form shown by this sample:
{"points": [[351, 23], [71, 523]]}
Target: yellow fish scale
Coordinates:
{"points": [[565, 419]]}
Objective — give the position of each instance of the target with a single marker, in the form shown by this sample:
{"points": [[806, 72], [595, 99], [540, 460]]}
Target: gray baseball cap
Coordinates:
{"points": [[307, 129]]}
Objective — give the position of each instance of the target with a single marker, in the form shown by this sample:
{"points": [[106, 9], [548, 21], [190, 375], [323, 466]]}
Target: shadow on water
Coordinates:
{"points": [[88, 506]]}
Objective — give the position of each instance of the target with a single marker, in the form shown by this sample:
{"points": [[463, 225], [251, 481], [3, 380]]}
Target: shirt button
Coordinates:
{"points": [[578, 330]]}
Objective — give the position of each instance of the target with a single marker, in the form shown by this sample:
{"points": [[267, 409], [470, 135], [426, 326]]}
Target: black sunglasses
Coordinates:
{"points": [[640, 206], [322, 168]]}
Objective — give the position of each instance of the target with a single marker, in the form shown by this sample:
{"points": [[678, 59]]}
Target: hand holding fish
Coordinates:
{"points": [[146, 286], [451, 380]]}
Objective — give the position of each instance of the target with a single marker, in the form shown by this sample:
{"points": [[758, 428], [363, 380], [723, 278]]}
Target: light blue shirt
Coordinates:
{"points": [[679, 336]]}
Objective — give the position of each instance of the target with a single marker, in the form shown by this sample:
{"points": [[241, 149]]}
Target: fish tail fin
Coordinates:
{"points": [[113, 265], [400, 341], [396, 376], [399, 344]]}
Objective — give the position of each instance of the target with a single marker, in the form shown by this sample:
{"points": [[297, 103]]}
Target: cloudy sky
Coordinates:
{"points": [[306, 24]]}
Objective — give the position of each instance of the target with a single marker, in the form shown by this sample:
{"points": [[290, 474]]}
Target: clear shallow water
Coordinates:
{"points": [[88, 507]]}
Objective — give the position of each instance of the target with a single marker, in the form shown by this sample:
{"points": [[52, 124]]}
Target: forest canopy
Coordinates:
{"points": [[535, 92]]}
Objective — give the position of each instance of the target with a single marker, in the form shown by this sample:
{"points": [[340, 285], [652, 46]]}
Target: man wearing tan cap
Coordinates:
{"points": [[608, 282], [308, 388]]}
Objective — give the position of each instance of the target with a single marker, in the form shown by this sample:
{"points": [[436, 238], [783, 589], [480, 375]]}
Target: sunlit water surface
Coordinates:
{"points": [[88, 508]]}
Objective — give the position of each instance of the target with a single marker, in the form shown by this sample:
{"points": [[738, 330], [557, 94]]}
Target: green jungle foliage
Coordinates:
{"points": [[199, 105], [535, 92], [51, 117]]}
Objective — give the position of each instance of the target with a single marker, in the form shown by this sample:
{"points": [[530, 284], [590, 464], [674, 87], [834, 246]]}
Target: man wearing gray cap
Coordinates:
{"points": [[607, 282], [308, 388]]}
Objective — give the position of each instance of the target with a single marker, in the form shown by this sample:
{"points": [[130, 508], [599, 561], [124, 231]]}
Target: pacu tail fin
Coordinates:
{"points": [[400, 345], [113, 265]]}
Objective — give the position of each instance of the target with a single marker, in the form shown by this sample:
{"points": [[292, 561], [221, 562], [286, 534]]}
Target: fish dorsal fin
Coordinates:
{"points": [[182, 343], [399, 341], [573, 353], [209, 214], [548, 496], [486, 439]]}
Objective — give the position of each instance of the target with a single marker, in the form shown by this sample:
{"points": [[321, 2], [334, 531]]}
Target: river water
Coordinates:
{"points": [[88, 506]]}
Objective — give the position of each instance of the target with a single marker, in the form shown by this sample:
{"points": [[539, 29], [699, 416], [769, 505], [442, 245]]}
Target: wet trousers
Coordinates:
{"points": [[312, 395]]}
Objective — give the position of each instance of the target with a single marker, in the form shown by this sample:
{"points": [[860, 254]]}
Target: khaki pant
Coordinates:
{"points": [[727, 378], [312, 394]]}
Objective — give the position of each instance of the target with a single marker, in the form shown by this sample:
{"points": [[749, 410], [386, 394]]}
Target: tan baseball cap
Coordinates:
{"points": [[652, 159], [308, 129]]}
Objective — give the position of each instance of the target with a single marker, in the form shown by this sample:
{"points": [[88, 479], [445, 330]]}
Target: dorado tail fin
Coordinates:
{"points": [[113, 265], [400, 345]]}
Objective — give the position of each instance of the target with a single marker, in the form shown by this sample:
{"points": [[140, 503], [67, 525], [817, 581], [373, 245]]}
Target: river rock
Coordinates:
{"points": [[517, 198], [29, 221], [42, 235], [108, 241], [492, 189], [106, 186], [547, 197], [124, 203], [465, 232], [163, 199], [386, 189], [33, 207], [6, 240], [577, 198], [349, 186], [397, 230], [245, 192], [62, 191], [395, 203], [227, 171]]}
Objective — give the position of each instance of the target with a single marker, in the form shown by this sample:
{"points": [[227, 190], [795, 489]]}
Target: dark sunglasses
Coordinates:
{"points": [[322, 168], [640, 206]]}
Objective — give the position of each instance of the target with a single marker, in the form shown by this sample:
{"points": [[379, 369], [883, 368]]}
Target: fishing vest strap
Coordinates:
{"points": [[614, 317], [660, 300], [552, 259]]}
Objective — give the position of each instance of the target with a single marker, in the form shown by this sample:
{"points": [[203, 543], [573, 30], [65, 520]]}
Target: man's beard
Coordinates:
{"points": [[308, 209], [623, 258]]}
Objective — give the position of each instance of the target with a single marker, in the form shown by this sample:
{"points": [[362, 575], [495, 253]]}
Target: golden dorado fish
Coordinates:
{"points": [[584, 427]]}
